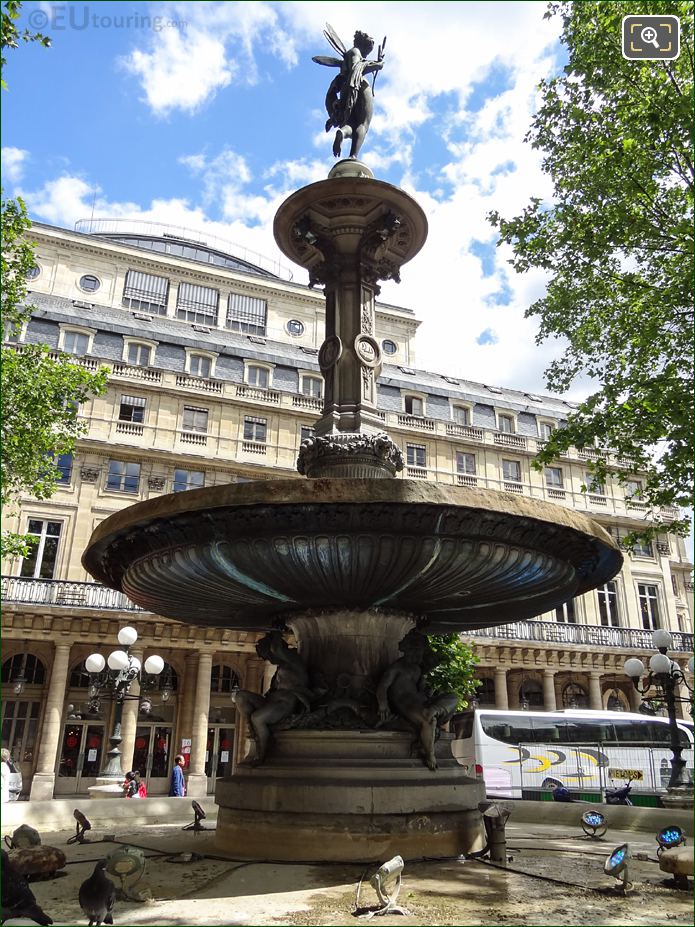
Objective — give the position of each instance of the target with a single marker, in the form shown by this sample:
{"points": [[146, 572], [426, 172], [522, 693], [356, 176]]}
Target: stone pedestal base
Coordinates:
{"points": [[106, 788], [42, 786], [679, 797], [196, 786], [349, 796]]}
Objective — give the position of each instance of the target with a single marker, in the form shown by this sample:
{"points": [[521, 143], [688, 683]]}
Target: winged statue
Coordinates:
{"points": [[350, 99]]}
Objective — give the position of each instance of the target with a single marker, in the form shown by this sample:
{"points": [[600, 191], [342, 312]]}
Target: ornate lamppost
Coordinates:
{"points": [[112, 677], [662, 682]]}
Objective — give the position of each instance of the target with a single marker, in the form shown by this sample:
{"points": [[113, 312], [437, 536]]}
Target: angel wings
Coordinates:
{"points": [[336, 44]]}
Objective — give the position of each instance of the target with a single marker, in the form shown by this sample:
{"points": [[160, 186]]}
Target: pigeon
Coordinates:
{"points": [[98, 896], [17, 898]]}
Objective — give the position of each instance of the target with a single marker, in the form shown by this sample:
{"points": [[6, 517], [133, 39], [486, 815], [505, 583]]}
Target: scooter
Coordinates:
{"points": [[619, 796]]}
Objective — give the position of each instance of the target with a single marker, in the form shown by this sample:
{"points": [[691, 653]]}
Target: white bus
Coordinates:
{"points": [[520, 753]]}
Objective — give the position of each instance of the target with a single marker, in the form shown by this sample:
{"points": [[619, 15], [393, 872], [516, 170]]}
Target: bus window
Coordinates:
{"points": [[587, 731], [545, 730], [508, 730]]}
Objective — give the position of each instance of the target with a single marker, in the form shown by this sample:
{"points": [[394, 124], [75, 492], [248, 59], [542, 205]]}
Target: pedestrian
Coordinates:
{"points": [[134, 787], [178, 783], [6, 772]]}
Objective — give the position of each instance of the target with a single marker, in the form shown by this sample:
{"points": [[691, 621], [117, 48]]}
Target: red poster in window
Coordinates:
{"points": [[94, 742], [140, 743], [224, 745], [71, 741]]}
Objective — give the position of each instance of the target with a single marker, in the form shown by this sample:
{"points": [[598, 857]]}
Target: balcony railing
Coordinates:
{"points": [[63, 593], [17, 589], [589, 635]]}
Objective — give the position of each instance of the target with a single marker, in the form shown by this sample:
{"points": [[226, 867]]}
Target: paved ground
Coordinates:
{"points": [[555, 878]]}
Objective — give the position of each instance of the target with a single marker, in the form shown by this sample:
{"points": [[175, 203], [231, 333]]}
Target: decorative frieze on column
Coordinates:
{"points": [[197, 780], [43, 783]]}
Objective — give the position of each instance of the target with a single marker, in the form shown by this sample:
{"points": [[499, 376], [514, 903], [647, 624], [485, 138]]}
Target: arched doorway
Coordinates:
{"points": [[83, 739], [574, 696], [23, 681], [221, 743], [154, 736], [531, 695]]}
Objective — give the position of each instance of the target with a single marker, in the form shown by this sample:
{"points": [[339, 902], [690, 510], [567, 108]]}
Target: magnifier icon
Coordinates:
{"points": [[648, 36]]}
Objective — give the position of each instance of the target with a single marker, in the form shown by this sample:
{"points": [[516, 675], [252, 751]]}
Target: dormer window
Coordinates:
{"points": [[74, 340], [414, 405], [461, 415], [505, 423], [258, 376]]}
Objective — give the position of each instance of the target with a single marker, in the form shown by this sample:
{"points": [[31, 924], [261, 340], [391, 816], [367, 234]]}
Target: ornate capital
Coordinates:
{"points": [[350, 455]]}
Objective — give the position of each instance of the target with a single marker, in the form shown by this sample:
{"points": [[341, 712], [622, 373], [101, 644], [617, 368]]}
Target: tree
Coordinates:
{"points": [[40, 393], [456, 671], [11, 35], [617, 241]]}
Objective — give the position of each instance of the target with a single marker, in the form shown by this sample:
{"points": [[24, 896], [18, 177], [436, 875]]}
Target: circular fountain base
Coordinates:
{"points": [[349, 796]]}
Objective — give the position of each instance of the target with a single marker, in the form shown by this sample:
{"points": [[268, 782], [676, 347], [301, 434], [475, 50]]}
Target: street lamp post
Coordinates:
{"points": [[113, 676], [664, 675]]}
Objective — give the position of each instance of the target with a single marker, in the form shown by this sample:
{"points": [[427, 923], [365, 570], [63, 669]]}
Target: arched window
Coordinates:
{"points": [[79, 677], [168, 678], [27, 665], [486, 692], [531, 694], [223, 679], [574, 696]]}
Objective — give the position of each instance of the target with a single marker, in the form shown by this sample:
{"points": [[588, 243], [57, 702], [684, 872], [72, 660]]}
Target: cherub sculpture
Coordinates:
{"points": [[350, 99], [402, 692], [289, 692]]}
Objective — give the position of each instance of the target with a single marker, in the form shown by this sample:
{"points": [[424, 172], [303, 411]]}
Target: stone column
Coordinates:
{"points": [[185, 700], [635, 698], [549, 702], [129, 722], [595, 700], [513, 698], [197, 785], [44, 778], [501, 696]]}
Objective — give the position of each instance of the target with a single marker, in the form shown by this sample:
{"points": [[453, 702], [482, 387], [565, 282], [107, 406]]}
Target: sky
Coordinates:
{"points": [[208, 115]]}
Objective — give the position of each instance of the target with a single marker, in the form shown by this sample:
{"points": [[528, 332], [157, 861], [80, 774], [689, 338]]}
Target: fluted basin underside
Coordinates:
{"points": [[244, 555]]}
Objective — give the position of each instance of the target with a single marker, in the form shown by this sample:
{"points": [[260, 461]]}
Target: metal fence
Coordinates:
{"points": [[61, 592], [596, 767]]}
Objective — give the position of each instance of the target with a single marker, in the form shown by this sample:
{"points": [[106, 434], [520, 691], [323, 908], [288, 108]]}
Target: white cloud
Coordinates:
{"points": [[185, 69], [13, 160]]}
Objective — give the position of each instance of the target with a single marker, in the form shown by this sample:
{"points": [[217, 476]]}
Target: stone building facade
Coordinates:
{"points": [[213, 377]]}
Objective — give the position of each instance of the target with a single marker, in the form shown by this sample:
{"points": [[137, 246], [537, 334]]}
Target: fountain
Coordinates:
{"points": [[350, 761]]}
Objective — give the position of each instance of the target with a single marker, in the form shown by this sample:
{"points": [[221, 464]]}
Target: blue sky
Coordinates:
{"points": [[209, 114]]}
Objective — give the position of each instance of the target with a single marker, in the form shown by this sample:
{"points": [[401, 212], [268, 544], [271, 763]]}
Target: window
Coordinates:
{"points": [[132, 409], [255, 429], [123, 476], [511, 471], [633, 488], [295, 327], [485, 693], [258, 376], [389, 347], [13, 333], [416, 455], [531, 694], [90, 283], [414, 405], [139, 355], [146, 292], [246, 314], [223, 679], [34, 670], [312, 386], [553, 477], [188, 479], [195, 419], [200, 365], [649, 606], [75, 342], [593, 485], [643, 549], [505, 423], [197, 304], [40, 562], [574, 696], [465, 463], [33, 272], [64, 465], [461, 415], [545, 429], [608, 604], [566, 613], [306, 432]]}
